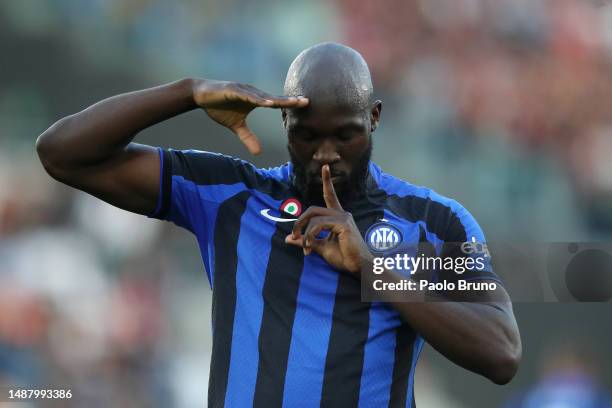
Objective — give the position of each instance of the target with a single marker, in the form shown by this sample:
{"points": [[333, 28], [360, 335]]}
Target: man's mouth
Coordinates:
{"points": [[335, 179]]}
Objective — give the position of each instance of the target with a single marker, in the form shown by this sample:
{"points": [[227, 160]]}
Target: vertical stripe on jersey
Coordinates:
{"points": [[227, 231], [310, 337], [377, 375], [349, 333], [280, 291], [194, 207], [416, 351], [253, 256], [404, 356]]}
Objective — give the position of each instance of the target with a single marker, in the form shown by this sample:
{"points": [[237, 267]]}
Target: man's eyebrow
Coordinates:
{"points": [[299, 127], [357, 125]]}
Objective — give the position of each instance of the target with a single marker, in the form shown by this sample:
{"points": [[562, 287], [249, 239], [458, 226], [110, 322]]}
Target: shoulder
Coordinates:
{"points": [[204, 167], [444, 216]]}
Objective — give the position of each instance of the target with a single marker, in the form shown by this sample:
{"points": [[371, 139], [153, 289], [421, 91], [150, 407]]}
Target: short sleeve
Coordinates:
{"points": [[193, 183], [465, 249]]}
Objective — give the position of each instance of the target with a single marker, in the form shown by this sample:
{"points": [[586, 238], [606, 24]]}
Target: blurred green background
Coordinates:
{"points": [[504, 106]]}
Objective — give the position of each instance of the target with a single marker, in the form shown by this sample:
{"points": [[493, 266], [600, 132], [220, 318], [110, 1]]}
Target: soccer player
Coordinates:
{"points": [[286, 248]]}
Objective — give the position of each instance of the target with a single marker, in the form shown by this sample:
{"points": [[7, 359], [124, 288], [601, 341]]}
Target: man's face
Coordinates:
{"points": [[336, 135]]}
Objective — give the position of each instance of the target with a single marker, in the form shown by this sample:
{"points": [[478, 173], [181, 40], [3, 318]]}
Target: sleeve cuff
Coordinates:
{"points": [[165, 184]]}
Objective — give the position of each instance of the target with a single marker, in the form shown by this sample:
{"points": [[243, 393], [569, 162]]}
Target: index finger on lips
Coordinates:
{"points": [[329, 193]]}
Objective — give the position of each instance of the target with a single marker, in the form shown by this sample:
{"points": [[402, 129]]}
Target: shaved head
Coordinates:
{"points": [[336, 126], [330, 74]]}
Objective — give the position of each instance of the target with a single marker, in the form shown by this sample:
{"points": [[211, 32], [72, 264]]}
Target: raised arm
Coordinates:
{"points": [[93, 151]]}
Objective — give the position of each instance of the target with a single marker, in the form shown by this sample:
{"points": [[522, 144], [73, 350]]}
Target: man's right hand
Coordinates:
{"points": [[229, 103], [93, 151]]}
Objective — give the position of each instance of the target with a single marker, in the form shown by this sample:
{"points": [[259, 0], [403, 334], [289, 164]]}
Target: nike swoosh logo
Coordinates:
{"points": [[265, 211]]}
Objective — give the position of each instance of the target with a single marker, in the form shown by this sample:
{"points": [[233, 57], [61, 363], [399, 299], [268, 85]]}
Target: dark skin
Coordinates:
{"points": [[330, 135], [93, 151], [478, 333]]}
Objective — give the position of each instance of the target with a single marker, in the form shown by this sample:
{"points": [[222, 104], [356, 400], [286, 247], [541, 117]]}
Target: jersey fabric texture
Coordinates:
{"points": [[288, 329]]}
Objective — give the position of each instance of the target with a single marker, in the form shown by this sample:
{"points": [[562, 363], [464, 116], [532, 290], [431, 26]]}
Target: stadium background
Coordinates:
{"points": [[505, 106]]}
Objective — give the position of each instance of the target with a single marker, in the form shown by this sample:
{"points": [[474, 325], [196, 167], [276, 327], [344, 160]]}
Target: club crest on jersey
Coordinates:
{"points": [[383, 236], [291, 206]]}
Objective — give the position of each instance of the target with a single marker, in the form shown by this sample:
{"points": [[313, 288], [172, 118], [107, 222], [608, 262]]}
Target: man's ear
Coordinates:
{"points": [[375, 114], [284, 117]]}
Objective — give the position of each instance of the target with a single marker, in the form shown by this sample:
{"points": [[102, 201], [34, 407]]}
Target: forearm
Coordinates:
{"points": [[98, 132], [480, 337]]}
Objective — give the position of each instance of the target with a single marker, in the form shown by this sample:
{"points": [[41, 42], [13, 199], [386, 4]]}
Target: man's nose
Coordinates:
{"points": [[326, 153]]}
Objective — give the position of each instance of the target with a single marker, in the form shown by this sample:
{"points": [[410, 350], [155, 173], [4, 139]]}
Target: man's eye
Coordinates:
{"points": [[302, 135], [347, 135]]}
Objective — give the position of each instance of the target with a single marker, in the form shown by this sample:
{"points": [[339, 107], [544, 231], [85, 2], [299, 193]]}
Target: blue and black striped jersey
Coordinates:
{"points": [[288, 329]]}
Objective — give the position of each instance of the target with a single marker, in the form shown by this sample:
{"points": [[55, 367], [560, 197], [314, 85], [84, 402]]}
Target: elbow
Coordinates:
{"points": [[43, 150], [506, 366], [48, 149]]}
